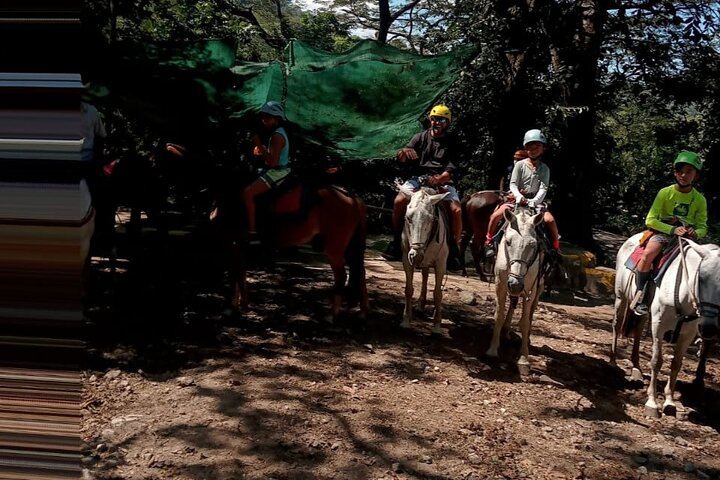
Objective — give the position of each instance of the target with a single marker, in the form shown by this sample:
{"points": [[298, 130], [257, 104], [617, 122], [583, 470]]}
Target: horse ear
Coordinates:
{"points": [[403, 189], [509, 214], [440, 196]]}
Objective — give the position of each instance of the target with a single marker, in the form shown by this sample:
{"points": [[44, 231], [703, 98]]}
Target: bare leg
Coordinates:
{"points": [[252, 191], [552, 229], [495, 219]]}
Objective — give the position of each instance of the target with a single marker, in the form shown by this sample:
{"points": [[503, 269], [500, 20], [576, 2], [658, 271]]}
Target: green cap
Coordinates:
{"points": [[691, 158]]}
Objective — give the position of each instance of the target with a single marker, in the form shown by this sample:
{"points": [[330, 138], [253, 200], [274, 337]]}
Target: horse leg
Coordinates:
{"points": [[651, 407], [337, 264], [355, 258], [636, 373], [437, 295], [478, 225], [525, 322], [619, 318], [423, 287], [687, 334], [500, 298], [505, 331], [464, 240], [238, 272], [705, 347], [408, 313]]}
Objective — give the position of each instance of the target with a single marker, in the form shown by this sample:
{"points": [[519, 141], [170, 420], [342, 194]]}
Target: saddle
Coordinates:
{"points": [[289, 202], [661, 262]]}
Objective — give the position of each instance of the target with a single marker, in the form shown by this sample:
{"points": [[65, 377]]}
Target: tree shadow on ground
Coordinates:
{"points": [[164, 321]]}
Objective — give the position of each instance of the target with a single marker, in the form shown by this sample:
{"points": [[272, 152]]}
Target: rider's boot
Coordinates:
{"points": [[454, 262], [490, 249], [638, 304]]}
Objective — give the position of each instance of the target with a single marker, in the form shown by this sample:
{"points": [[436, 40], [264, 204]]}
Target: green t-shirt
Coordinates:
{"points": [[671, 205]]}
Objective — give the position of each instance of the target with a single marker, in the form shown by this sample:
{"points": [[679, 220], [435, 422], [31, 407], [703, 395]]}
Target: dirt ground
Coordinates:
{"points": [[175, 390]]}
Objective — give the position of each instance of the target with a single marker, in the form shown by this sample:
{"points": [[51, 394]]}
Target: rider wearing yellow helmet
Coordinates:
{"points": [[679, 210], [432, 155]]}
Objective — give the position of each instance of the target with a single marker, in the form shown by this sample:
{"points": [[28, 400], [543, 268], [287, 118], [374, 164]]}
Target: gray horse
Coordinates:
{"points": [[687, 300], [424, 245], [518, 273]]}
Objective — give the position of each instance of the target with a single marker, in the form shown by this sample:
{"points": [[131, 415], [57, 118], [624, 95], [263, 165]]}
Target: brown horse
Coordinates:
{"points": [[337, 218], [476, 211]]}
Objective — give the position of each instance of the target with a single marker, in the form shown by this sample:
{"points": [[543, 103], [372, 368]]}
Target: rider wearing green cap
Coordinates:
{"points": [[678, 210]]}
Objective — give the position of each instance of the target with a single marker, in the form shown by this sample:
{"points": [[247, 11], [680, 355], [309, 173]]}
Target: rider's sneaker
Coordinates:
{"points": [[393, 252], [453, 264], [490, 251], [253, 239], [641, 309]]}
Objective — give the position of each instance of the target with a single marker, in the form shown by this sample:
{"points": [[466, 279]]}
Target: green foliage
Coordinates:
{"points": [[323, 30]]}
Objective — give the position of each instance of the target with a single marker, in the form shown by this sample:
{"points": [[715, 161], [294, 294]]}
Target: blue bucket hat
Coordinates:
{"points": [[273, 108]]}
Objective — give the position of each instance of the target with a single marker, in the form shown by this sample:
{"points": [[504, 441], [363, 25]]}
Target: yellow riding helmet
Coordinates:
{"points": [[441, 111]]}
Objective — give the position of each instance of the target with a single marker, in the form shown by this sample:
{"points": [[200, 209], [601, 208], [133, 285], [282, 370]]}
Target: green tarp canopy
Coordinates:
{"points": [[364, 103]]}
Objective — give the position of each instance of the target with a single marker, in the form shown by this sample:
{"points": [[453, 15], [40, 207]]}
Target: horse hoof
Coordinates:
{"points": [[652, 412], [491, 353], [636, 375], [437, 330], [524, 368], [670, 410]]}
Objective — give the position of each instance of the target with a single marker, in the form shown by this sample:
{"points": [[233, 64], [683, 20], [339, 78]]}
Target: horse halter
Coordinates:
{"points": [[527, 265]]}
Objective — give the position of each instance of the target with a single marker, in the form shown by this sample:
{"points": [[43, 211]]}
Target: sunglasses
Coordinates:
{"points": [[439, 119]]}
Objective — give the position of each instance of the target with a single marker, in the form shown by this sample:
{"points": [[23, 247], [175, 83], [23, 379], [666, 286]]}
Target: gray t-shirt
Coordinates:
{"points": [[528, 182]]}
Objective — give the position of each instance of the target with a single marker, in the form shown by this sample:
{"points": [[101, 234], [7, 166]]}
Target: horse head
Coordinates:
{"points": [[708, 289], [521, 248], [421, 222]]}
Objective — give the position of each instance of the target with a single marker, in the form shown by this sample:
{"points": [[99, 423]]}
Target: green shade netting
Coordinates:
{"points": [[364, 103]]}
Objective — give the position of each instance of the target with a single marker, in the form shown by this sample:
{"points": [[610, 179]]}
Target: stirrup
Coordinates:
{"points": [[641, 309]]}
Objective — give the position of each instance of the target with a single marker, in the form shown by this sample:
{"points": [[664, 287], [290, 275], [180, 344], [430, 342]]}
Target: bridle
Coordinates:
{"points": [[701, 308], [434, 231], [527, 264]]}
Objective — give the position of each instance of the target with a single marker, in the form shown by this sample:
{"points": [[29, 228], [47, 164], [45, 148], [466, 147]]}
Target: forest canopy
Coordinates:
{"points": [[618, 87]]}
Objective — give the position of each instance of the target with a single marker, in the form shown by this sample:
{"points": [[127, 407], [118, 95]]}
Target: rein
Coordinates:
{"points": [[683, 273]]}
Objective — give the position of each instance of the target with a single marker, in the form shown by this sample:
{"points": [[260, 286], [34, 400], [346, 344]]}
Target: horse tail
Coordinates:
{"points": [[355, 256]]}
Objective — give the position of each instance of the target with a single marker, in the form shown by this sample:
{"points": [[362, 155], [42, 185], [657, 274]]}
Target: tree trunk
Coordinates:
{"points": [[385, 20], [572, 168]]}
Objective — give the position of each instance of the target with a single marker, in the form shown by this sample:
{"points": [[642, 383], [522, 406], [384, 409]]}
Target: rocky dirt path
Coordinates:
{"points": [[280, 394]]}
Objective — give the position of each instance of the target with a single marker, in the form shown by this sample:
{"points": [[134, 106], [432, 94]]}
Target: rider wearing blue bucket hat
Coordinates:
{"points": [[275, 154]]}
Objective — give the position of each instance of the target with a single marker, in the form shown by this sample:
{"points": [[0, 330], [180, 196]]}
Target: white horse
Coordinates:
{"points": [[517, 272], [424, 245], [687, 299]]}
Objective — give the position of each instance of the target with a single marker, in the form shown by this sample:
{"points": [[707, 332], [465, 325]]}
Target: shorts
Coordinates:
{"points": [[663, 238], [413, 184], [275, 177]]}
